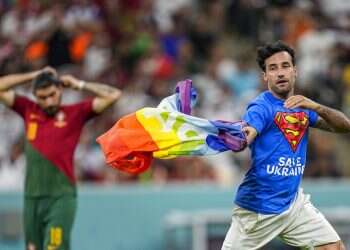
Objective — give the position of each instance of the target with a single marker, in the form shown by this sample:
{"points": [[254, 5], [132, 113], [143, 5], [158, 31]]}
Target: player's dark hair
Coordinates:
{"points": [[44, 80], [270, 49]]}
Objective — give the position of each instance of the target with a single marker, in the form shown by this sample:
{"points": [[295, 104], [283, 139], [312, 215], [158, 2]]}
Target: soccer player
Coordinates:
{"points": [[269, 201], [52, 134]]}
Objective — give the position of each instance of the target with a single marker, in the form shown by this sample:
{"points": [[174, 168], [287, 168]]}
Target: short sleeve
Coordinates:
{"points": [[21, 105], [313, 117], [256, 117]]}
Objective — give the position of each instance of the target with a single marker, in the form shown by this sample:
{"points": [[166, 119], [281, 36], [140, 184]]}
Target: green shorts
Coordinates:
{"points": [[48, 222]]}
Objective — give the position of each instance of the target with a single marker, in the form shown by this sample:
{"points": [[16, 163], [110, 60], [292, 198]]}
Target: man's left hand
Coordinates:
{"points": [[70, 81], [299, 101]]}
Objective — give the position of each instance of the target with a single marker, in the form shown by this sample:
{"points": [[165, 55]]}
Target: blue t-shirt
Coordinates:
{"points": [[278, 154]]}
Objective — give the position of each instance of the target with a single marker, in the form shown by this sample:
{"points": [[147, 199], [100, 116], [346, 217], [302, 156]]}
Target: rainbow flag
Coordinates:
{"points": [[168, 131]]}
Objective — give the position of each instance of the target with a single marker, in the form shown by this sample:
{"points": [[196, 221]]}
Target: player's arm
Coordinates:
{"points": [[7, 83], [105, 95], [257, 118], [331, 120]]}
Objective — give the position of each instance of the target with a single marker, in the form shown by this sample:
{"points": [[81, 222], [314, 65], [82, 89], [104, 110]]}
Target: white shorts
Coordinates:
{"points": [[302, 225]]}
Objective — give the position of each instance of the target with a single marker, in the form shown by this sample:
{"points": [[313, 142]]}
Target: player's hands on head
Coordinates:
{"points": [[299, 101], [48, 69], [70, 81]]}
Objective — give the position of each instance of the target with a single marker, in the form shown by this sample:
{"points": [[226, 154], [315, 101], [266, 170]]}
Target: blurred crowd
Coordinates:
{"points": [[145, 46]]}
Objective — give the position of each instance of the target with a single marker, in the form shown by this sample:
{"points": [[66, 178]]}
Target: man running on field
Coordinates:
{"points": [[269, 202]]}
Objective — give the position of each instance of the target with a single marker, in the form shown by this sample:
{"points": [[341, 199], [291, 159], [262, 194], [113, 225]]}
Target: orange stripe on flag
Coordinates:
{"points": [[127, 145]]}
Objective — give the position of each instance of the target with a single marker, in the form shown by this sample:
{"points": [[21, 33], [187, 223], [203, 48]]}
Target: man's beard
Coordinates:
{"points": [[282, 92], [51, 111]]}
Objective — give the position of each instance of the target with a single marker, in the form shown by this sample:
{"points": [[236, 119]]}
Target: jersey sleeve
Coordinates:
{"points": [[256, 117], [21, 104], [313, 117]]}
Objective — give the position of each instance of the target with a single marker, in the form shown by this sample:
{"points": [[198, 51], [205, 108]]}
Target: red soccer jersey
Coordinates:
{"points": [[51, 142]]}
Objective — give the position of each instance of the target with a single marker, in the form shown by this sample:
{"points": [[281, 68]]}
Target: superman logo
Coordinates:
{"points": [[293, 126]]}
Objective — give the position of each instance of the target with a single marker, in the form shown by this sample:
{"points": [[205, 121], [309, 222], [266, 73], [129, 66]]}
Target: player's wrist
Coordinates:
{"points": [[81, 84], [316, 107]]}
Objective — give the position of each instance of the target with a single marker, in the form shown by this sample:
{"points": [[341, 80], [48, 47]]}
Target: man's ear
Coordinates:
{"points": [[264, 77]]}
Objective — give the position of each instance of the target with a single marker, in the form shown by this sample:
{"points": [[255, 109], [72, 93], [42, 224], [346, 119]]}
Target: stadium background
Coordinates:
{"points": [[144, 47]]}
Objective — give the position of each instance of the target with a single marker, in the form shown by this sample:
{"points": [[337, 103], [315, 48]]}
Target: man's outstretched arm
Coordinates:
{"points": [[7, 83], [329, 119], [105, 95]]}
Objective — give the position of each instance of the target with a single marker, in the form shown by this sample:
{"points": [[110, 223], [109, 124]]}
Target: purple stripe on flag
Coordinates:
{"points": [[183, 88]]}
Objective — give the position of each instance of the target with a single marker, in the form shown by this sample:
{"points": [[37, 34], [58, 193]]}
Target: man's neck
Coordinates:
{"points": [[282, 97]]}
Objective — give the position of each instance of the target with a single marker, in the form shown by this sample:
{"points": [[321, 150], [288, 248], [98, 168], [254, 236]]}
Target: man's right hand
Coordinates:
{"points": [[47, 69], [251, 133]]}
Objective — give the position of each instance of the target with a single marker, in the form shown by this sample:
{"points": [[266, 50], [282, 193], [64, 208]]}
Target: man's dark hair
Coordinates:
{"points": [[44, 80], [270, 49]]}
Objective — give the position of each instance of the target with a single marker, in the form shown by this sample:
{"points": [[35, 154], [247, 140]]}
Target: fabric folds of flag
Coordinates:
{"points": [[168, 131]]}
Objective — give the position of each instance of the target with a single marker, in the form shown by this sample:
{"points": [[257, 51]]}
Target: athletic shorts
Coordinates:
{"points": [[302, 225], [48, 222]]}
